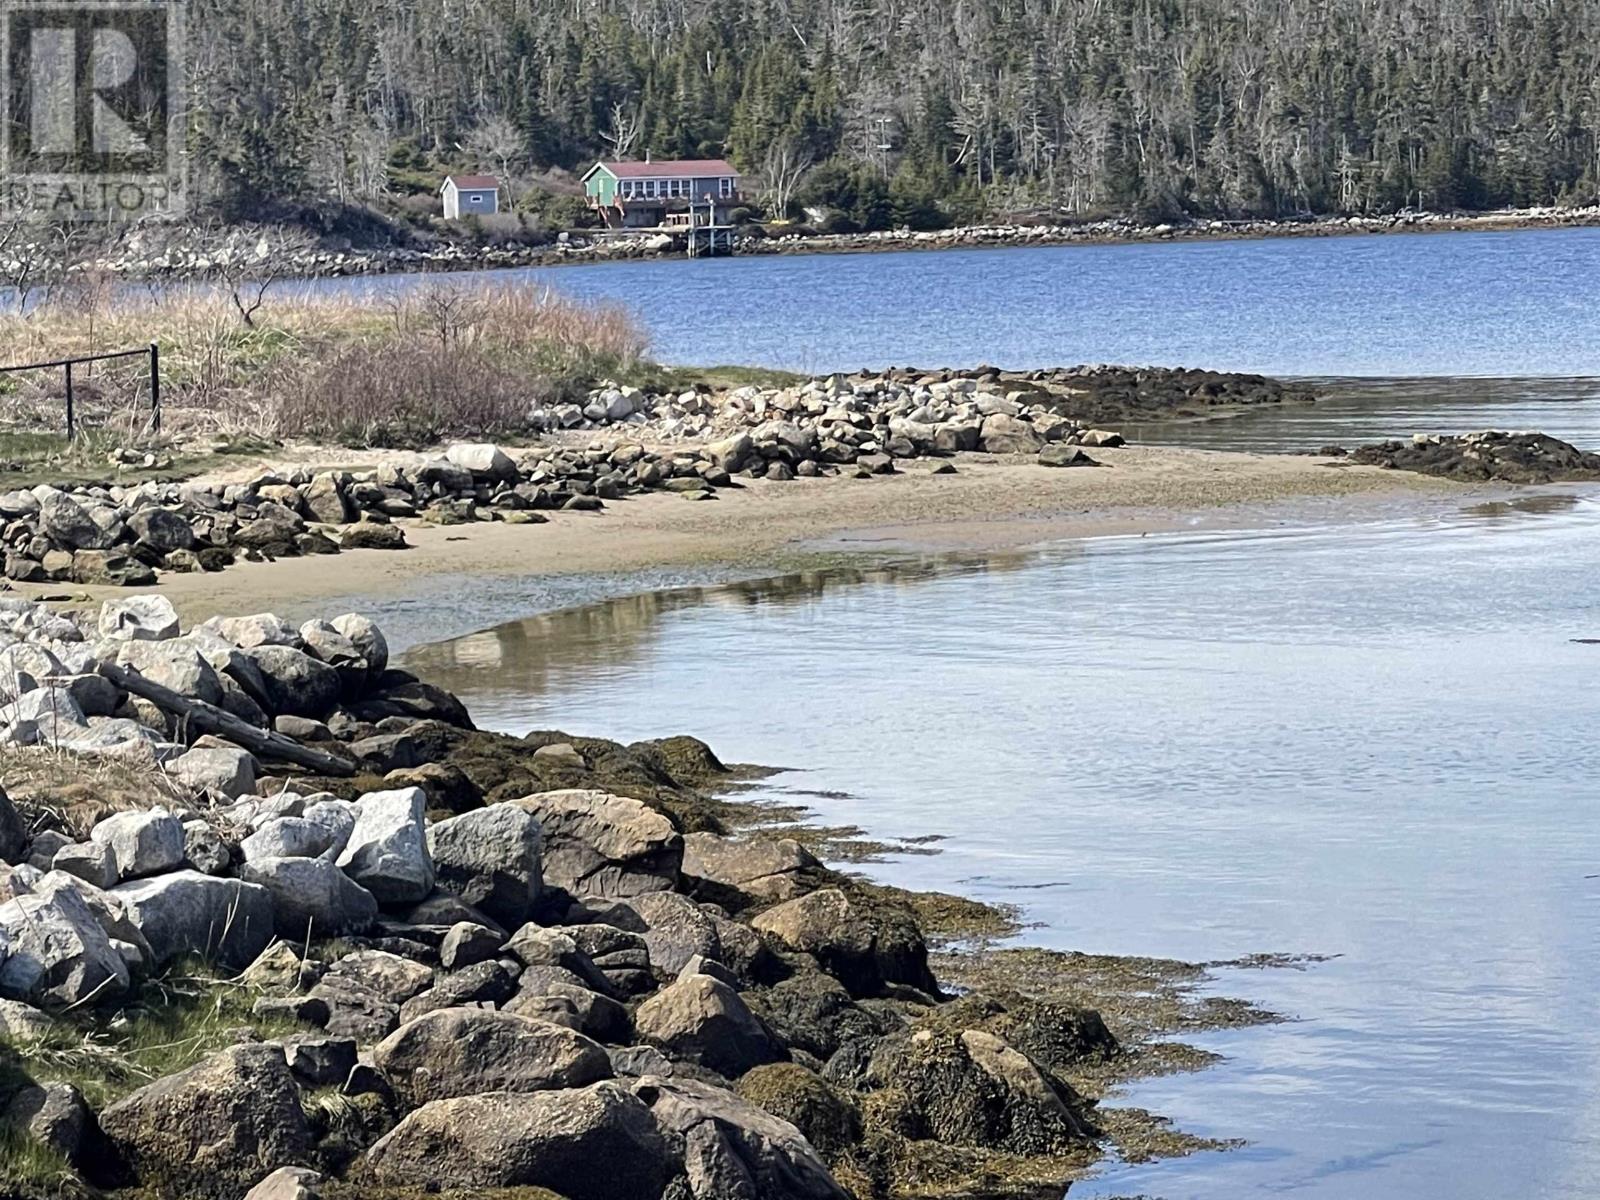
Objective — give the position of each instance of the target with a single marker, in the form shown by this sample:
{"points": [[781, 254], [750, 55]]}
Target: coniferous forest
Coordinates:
{"points": [[911, 111]]}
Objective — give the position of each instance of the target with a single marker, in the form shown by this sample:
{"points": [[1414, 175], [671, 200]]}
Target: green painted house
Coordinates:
{"points": [[663, 194]]}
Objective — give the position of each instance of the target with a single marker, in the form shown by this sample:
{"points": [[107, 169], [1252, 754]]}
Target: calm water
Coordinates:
{"points": [[1508, 304], [1357, 412], [1375, 742]]}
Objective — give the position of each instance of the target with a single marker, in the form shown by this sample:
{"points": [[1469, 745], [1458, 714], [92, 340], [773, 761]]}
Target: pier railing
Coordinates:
{"points": [[152, 352]]}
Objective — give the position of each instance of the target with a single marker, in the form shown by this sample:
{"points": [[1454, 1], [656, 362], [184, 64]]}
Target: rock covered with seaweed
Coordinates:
{"points": [[423, 957]]}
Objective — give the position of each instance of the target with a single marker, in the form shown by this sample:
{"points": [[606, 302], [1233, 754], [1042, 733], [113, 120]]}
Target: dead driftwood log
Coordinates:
{"points": [[208, 718]]}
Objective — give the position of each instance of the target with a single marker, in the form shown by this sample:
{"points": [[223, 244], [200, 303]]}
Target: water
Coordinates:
{"points": [[1373, 741], [1358, 412], [1525, 303]]}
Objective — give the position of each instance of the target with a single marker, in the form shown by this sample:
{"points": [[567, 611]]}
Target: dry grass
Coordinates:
{"points": [[71, 792], [304, 364]]}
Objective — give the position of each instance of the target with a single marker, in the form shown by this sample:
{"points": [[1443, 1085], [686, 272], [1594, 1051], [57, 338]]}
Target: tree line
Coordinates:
{"points": [[913, 111]]}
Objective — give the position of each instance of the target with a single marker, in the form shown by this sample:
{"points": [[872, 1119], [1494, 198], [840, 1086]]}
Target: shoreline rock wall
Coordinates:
{"points": [[503, 968], [178, 257], [856, 425]]}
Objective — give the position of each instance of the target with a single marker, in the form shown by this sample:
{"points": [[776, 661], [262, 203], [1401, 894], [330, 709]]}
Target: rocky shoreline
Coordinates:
{"points": [[276, 920], [695, 443], [155, 255]]}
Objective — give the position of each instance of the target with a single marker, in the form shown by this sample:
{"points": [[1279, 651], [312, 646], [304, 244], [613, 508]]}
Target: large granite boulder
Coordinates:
{"points": [[491, 859], [228, 921], [734, 1149], [865, 944], [141, 843], [739, 872], [702, 1020], [55, 953], [466, 1051], [214, 1129], [593, 1143], [968, 1087], [387, 852], [311, 897], [597, 844], [295, 683], [138, 619]]}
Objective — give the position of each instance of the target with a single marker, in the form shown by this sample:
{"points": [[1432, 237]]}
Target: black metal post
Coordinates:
{"points": [[71, 430], [155, 388]]}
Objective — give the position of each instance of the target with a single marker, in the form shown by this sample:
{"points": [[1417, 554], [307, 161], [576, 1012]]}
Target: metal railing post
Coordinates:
{"points": [[155, 388], [70, 429]]}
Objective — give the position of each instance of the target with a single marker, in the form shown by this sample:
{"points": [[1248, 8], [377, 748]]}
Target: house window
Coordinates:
{"points": [[725, 188]]}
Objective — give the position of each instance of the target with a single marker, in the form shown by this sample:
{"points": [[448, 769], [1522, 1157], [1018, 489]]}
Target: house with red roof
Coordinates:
{"points": [[466, 195], [663, 194]]}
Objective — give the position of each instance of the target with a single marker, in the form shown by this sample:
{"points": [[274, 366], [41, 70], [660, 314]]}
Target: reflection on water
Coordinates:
{"points": [[501, 667], [1371, 742], [1358, 412]]}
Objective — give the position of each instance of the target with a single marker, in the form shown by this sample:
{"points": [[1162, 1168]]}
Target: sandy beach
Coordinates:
{"points": [[992, 502]]}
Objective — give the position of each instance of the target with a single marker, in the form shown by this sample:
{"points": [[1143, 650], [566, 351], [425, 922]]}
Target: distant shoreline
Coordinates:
{"points": [[583, 248]]}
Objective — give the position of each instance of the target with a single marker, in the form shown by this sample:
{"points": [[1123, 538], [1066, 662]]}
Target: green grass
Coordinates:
{"points": [[28, 458], [34, 1170], [173, 1022]]}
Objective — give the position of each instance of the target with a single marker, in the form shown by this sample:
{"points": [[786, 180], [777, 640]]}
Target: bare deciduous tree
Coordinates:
{"points": [[783, 170]]}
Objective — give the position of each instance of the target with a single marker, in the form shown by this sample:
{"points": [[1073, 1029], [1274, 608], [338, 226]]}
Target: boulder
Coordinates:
{"points": [[215, 771], [734, 1149], [593, 1143], [544, 997], [367, 638], [676, 930], [53, 1115], [212, 1130], [825, 1117], [108, 568], [388, 849], [703, 1020], [490, 858], [287, 1183], [327, 645], [483, 985], [56, 952], [162, 530], [1004, 434], [299, 837], [139, 619], [295, 683], [91, 862], [597, 844], [22, 1023], [203, 848], [864, 944], [68, 524], [311, 897], [362, 993], [968, 1087], [1061, 454], [228, 921], [258, 629], [175, 663], [465, 1051], [484, 459], [468, 943], [141, 843], [746, 871]]}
